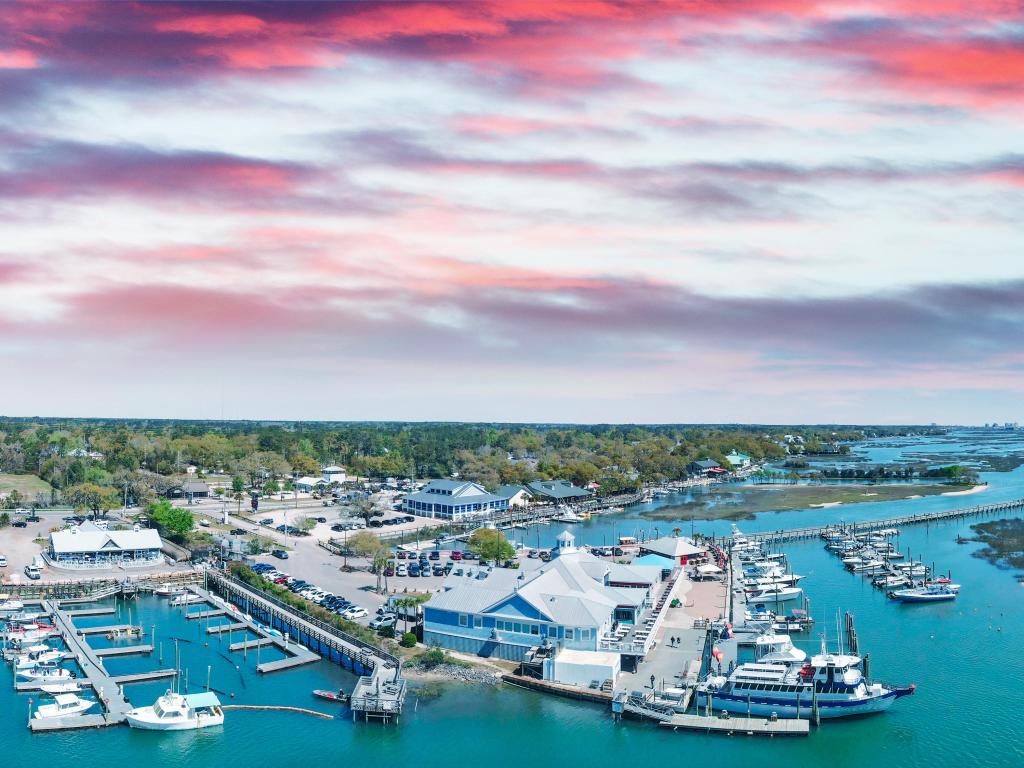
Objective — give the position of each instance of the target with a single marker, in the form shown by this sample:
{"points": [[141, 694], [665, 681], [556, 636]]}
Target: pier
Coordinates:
{"points": [[379, 693], [750, 726], [866, 526]]}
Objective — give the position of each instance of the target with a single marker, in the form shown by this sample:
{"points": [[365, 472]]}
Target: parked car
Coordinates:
{"points": [[33, 518], [355, 612], [19, 524], [439, 570], [267, 521], [456, 555], [414, 570], [435, 555], [402, 554], [3, 561], [280, 554], [389, 572], [385, 621], [321, 519], [401, 570], [238, 531]]}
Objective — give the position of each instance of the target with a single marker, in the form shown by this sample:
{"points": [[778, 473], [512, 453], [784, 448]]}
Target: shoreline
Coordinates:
{"points": [[980, 488]]}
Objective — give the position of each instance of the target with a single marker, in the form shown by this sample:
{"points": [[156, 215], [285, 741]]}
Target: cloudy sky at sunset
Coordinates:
{"points": [[527, 210]]}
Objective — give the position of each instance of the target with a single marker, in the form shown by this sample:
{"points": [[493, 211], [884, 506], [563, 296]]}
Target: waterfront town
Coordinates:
{"points": [[399, 580], [443, 381]]}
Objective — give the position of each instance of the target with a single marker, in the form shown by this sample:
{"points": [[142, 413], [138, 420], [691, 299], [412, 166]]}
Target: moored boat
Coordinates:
{"points": [[64, 705], [178, 712], [933, 593], [338, 696]]}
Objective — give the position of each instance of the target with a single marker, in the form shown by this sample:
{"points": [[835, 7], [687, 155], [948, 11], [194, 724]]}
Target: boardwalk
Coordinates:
{"points": [[795, 534], [750, 726]]}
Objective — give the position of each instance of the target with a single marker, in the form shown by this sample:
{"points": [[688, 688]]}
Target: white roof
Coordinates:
{"points": [[309, 480], [334, 469], [673, 547], [572, 656], [89, 538], [708, 568]]}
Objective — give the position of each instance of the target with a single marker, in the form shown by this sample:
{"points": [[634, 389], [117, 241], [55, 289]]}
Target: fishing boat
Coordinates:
{"points": [[48, 674], [337, 696], [124, 633], [933, 593], [832, 682], [774, 595], [38, 658], [186, 599], [169, 590], [63, 705], [178, 712]]}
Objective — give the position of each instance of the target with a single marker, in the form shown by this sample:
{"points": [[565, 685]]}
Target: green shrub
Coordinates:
{"points": [[408, 640]]}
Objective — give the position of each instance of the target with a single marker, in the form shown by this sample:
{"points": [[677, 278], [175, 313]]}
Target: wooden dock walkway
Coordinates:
{"points": [[259, 643], [103, 630], [144, 677], [380, 691], [866, 526], [750, 726], [291, 661], [103, 611], [226, 628], [129, 650], [205, 614]]}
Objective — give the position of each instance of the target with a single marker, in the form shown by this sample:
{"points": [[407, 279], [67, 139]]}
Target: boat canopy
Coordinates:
{"points": [[202, 700], [66, 699]]}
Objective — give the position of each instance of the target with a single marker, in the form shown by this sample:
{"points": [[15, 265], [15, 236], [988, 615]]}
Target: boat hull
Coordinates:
{"points": [[206, 721], [792, 709]]}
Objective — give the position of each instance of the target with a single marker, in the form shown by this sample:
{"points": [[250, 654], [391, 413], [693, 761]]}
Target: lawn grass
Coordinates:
{"points": [[27, 485]]}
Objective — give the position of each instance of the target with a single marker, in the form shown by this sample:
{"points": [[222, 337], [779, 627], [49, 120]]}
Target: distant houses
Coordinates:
{"points": [[334, 474], [309, 484], [190, 489], [738, 460], [704, 467]]}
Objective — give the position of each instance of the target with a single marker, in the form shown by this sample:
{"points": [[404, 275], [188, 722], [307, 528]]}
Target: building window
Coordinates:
{"points": [[534, 629], [570, 633], [478, 621], [463, 620]]}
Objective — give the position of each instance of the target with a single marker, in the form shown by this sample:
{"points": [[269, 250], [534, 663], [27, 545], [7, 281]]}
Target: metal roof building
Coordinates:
{"points": [[89, 546]]}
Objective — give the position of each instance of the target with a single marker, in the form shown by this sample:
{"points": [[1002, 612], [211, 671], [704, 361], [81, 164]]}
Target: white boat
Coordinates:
{"points": [[9, 606], [45, 675], [774, 595], [64, 704], [177, 712], [38, 659], [869, 566], [831, 681], [186, 599], [786, 580], [933, 593], [23, 617], [169, 590], [56, 688], [777, 648]]}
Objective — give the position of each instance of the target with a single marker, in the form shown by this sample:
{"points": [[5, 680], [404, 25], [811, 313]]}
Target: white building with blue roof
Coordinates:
{"points": [[571, 602], [454, 500]]}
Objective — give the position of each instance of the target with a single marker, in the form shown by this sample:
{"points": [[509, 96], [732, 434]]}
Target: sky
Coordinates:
{"points": [[784, 211]]}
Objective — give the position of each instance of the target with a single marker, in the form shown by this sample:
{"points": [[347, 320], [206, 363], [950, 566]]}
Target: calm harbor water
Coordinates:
{"points": [[964, 657]]}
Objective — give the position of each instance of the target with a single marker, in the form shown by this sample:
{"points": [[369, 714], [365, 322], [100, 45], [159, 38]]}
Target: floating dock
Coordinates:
{"points": [[750, 726], [128, 650], [103, 611], [205, 614], [102, 630], [226, 628]]}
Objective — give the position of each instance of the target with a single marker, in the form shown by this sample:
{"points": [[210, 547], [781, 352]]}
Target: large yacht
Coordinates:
{"points": [[177, 712], [831, 681]]}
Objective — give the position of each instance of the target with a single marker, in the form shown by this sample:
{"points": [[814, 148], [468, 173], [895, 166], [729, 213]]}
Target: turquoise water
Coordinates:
{"points": [[965, 658]]}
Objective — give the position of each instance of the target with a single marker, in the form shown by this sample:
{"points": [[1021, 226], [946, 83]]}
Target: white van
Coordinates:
{"points": [[33, 572], [3, 561]]}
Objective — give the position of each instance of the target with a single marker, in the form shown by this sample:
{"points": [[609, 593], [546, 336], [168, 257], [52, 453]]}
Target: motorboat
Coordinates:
{"points": [[38, 659], [869, 567], [169, 590], [892, 581], [777, 648], [774, 595], [785, 580], [832, 682], [64, 704], [45, 674], [337, 696], [178, 712], [186, 599], [10, 606], [933, 593]]}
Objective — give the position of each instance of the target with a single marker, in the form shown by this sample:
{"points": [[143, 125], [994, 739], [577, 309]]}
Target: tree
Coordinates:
{"points": [[271, 487], [5, 519], [305, 464], [92, 497], [237, 484], [491, 544], [174, 521], [306, 524], [365, 509], [254, 546], [365, 544]]}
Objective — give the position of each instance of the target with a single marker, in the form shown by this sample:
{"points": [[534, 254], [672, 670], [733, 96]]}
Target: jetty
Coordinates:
{"points": [[108, 688], [866, 526], [749, 726], [379, 693]]}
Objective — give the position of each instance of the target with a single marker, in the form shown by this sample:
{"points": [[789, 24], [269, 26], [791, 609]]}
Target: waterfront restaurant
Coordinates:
{"points": [[453, 500], [557, 491], [576, 601], [679, 550], [88, 546]]}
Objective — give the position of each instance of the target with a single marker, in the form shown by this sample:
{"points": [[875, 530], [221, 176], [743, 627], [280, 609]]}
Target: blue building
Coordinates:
{"points": [[453, 500], [573, 602]]}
